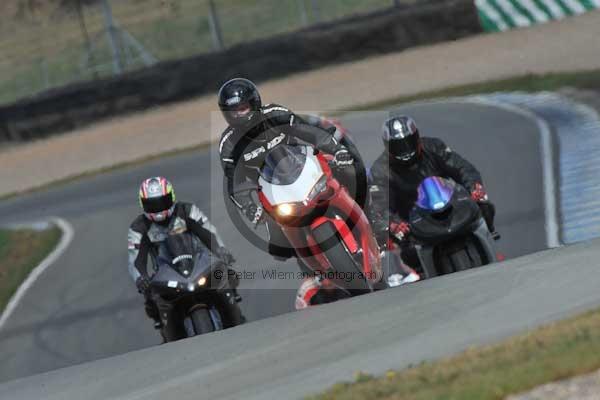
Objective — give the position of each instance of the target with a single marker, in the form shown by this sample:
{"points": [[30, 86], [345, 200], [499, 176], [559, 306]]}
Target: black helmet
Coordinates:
{"points": [[239, 102], [401, 139]]}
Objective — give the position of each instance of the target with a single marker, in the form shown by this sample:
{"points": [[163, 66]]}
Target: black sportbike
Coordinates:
{"points": [[448, 229], [192, 290]]}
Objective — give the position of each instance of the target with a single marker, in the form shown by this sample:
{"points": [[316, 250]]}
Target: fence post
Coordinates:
{"points": [[113, 40], [86, 38], [303, 13], [215, 26], [316, 12], [44, 73]]}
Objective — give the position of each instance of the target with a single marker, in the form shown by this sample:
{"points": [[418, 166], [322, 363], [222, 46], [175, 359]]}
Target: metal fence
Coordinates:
{"points": [[52, 43]]}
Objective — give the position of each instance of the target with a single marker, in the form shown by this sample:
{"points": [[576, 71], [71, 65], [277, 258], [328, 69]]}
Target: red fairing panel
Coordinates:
{"points": [[345, 204]]}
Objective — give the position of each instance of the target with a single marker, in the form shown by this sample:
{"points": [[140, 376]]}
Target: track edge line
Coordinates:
{"points": [[63, 244], [552, 225]]}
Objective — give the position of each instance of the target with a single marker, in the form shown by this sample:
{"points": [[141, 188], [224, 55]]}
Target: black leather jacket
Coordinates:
{"points": [[243, 152], [145, 236], [393, 187]]}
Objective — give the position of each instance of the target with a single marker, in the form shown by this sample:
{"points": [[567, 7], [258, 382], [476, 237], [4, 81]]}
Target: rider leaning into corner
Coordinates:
{"points": [[163, 215], [255, 129], [407, 159]]}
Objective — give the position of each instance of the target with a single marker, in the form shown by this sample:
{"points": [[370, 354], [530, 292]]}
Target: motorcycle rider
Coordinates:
{"points": [[395, 176], [163, 215], [255, 129]]}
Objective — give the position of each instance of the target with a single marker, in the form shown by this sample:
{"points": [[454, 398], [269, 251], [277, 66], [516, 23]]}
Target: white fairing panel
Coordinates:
{"points": [[300, 189]]}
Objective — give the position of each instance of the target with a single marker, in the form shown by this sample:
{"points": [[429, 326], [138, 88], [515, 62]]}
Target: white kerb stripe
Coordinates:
{"points": [[554, 8], [533, 9], [513, 13], [575, 6], [492, 14]]}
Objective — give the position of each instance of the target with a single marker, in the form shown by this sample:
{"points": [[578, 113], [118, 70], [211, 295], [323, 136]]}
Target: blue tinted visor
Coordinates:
{"points": [[435, 193]]}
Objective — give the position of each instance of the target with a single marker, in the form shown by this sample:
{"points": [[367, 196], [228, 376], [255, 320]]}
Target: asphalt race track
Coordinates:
{"points": [[85, 307], [299, 353]]}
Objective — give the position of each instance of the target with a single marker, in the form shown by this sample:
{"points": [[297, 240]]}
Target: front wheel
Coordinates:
{"points": [[346, 273], [201, 321]]}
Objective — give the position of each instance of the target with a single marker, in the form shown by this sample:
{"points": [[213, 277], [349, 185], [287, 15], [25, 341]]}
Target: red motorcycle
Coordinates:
{"points": [[323, 223]]}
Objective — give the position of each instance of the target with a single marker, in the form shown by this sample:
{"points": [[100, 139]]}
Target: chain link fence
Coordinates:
{"points": [[45, 44]]}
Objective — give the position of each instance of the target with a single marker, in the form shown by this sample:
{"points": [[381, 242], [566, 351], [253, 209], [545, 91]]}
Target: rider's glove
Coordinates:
{"points": [[399, 230], [478, 194], [143, 284], [342, 158], [252, 212], [225, 255]]}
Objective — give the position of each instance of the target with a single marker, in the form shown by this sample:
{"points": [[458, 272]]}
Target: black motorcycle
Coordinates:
{"points": [[448, 229], [192, 289]]}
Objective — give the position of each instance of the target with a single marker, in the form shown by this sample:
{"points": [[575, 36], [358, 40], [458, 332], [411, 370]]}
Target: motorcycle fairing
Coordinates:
{"points": [[168, 278], [371, 259], [436, 227], [297, 191], [337, 206]]}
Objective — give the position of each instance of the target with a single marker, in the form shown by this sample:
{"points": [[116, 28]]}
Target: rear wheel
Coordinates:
{"points": [[342, 262], [459, 258], [201, 320]]}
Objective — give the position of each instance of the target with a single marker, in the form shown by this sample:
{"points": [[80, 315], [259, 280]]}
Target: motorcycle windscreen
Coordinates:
{"points": [[181, 250], [284, 164], [434, 194]]}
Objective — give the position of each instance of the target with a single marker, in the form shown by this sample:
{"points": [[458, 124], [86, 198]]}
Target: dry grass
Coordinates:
{"points": [[45, 47], [553, 352], [20, 252]]}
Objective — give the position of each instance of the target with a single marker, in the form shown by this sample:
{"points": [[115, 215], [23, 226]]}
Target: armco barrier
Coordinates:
{"points": [[501, 15], [388, 30]]}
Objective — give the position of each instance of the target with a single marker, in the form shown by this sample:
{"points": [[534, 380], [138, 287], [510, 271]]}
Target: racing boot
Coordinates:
{"points": [[396, 271]]}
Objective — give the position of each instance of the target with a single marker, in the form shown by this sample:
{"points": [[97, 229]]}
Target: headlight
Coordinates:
{"points": [[202, 281], [285, 209], [319, 187]]}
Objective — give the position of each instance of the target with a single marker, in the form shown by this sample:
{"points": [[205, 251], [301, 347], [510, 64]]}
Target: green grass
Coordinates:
{"points": [[550, 353], [20, 252], [527, 83], [45, 48]]}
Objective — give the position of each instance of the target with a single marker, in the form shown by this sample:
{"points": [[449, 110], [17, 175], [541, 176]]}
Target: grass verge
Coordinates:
{"points": [[43, 46], [526, 83], [20, 252], [553, 352]]}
